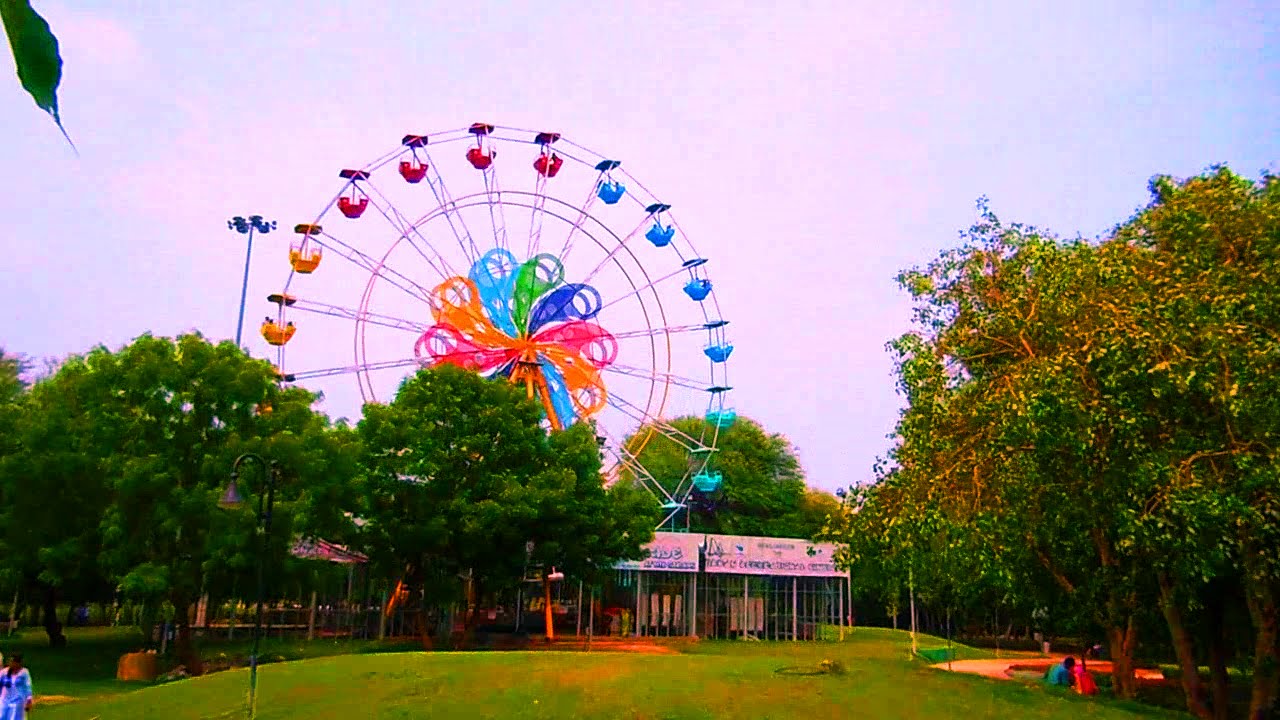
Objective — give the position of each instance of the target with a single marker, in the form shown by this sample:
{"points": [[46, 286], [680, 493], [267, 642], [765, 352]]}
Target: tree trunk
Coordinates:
{"points": [[1266, 654], [52, 627], [471, 618], [1122, 641], [1183, 648], [185, 646], [1219, 681]]}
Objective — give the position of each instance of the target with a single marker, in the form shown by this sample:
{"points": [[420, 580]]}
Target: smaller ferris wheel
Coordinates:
{"points": [[522, 256]]}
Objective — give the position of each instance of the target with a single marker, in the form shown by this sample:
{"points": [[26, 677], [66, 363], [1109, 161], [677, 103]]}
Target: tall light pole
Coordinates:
{"points": [[246, 226], [232, 500]]}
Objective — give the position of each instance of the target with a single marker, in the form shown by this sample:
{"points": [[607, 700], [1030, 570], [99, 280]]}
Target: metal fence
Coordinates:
{"points": [[768, 608], [638, 603], [720, 606]]}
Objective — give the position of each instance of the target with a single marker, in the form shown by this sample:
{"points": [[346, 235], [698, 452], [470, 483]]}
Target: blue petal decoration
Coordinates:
{"points": [[574, 301], [495, 277], [561, 402]]}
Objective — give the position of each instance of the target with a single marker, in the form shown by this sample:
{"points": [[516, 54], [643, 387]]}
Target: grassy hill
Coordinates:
{"points": [[708, 680]]}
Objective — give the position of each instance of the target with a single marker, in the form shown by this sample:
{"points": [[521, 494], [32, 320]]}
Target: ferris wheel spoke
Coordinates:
{"points": [[650, 374], [346, 313], [497, 209], [649, 285], [352, 369], [543, 168], [451, 215], [384, 160], [610, 255], [629, 461], [537, 215], [630, 409], [655, 332], [392, 156], [373, 266], [407, 231], [594, 159], [583, 214], [643, 197]]}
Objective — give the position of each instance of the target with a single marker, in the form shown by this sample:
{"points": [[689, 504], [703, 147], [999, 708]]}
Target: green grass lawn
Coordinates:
{"points": [[707, 680], [86, 668]]}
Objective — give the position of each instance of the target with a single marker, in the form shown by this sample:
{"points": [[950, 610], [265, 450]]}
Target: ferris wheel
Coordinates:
{"points": [[519, 255]]}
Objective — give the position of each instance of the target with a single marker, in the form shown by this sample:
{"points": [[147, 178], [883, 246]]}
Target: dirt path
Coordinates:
{"points": [[628, 645], [987, 668], [1003, 668]]}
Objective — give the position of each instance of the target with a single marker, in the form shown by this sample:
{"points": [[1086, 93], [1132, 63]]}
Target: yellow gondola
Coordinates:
{"points": [[276, 335], [304, 261]]}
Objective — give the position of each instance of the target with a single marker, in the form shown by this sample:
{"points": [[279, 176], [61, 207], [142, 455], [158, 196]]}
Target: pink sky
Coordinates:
{"points": [[811, 150]]}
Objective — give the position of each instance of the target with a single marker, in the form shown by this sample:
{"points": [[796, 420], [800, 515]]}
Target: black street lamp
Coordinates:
{"points": [[246, 226], [232, 499]]}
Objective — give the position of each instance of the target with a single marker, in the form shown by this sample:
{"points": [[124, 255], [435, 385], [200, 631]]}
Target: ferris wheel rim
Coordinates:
{"points": [[710, 311]]}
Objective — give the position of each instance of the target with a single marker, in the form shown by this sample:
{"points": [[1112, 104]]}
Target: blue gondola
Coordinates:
{"points": [[722, 418], [707, 482], [611, 192], [660, 236], [718, 353], [698, 289]]}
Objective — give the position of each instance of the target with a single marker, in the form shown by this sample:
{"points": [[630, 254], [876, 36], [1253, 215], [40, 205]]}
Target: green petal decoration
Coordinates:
{"points": [[35, 53], [536, 276]]}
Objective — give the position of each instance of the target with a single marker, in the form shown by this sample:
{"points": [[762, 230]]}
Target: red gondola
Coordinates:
{"points": [[548, 165], [413, 171]]}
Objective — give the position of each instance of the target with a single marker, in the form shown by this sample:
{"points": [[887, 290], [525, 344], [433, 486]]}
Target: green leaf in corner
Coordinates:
{"points": [[35, 53]]}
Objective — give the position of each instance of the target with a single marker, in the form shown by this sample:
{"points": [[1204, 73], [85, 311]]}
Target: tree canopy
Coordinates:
{"points": [[463, 481], [1095, 422], [456, 479], [763, 492], [137, 444]]}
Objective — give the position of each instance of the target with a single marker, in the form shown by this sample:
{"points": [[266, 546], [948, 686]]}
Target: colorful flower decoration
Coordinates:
{"points": [[508, 319]]}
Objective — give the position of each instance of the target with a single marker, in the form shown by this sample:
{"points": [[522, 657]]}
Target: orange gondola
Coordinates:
{"points": [[304, 260], [274, 334]]}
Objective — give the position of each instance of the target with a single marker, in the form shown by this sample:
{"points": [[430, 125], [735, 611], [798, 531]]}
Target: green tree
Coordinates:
{"points": [[53, 473], [1208, 249], [12, 388], [763, 490], [460, 478], [585, 527], [1102, 415], [11, 369], [167, 419]]}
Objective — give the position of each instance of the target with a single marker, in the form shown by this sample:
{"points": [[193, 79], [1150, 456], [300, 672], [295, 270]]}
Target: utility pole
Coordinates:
{"points": [[911, 588]]}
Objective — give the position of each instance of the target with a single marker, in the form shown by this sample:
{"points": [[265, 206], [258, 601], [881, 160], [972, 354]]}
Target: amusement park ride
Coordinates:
{"points": [[601, 308]]}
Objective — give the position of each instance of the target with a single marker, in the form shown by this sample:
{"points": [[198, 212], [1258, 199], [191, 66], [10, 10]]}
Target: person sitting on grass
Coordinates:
{"points": [[1084, 681], [1062, 673]]}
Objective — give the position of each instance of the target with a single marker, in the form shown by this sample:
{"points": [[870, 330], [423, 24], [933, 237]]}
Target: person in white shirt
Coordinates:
{"points": [[15, 690]]}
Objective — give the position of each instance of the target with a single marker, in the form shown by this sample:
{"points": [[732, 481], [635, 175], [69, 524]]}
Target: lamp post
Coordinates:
{"points": [[547, 579], [230, 500], [246, 226]]}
